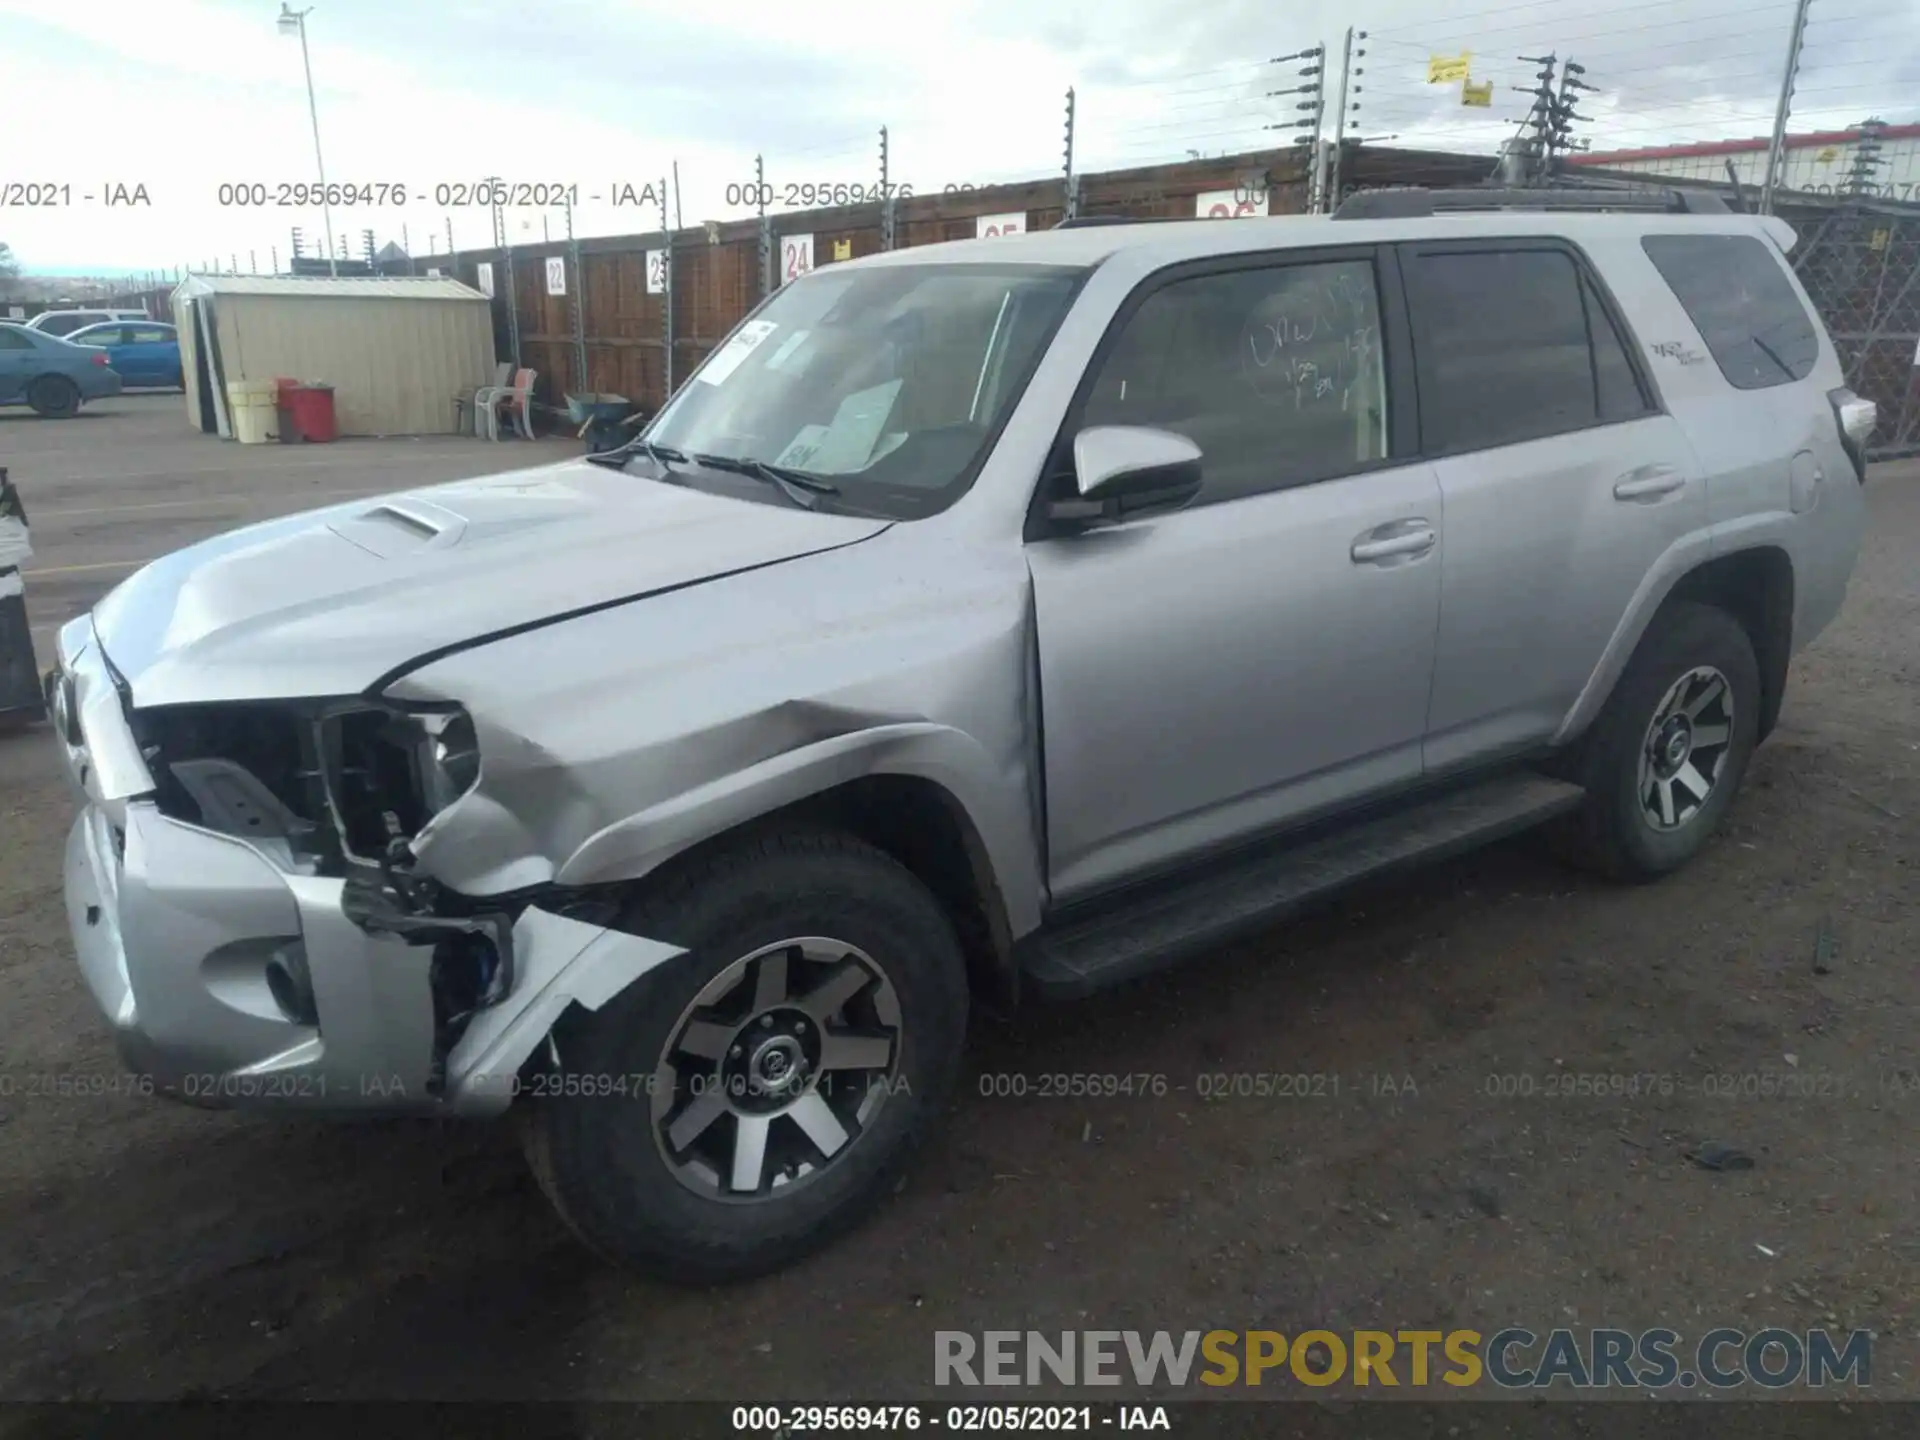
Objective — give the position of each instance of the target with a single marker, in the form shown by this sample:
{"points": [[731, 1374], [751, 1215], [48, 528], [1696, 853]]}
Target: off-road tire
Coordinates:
{"points": [[596, 1156], [1612, 833]]}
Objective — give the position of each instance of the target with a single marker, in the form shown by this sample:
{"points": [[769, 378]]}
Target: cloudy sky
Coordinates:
{"points": [[183, 96]]}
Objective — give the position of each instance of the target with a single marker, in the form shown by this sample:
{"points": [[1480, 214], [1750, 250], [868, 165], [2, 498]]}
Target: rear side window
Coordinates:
{"points": [[1513, 344], [14, 340], [1733, 290]]}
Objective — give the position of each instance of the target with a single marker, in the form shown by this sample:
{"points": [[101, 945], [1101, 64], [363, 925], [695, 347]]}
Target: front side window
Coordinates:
{"points": [[149, 335], [890, 382], [1276, 373], [1733, 290]]}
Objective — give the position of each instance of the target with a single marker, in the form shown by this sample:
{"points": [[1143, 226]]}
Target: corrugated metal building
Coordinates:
{"points": [[396, 350], [1818, 163]]}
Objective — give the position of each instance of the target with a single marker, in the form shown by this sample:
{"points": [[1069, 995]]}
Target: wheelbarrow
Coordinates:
{"points": [[603, 421]]}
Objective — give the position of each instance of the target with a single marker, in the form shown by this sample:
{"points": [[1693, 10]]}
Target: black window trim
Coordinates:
{"points": [[1402, 402], [1586, 270]]}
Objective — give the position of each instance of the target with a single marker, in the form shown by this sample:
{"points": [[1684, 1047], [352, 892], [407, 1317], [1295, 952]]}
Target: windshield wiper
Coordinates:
{"points": [[799, 486], [616, 459]]}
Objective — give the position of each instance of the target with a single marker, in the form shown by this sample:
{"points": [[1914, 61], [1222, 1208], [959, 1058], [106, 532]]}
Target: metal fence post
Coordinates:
{"points": [[766, 227], [1069, 180], [666, 235], [1777, 146], [1348, 74], [886, 196], [578, 305], [673, 235]]}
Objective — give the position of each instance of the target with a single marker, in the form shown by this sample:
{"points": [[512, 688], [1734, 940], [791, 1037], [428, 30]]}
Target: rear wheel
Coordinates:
{"points": [[1664, 759], [778, 1075], [54, 397]]}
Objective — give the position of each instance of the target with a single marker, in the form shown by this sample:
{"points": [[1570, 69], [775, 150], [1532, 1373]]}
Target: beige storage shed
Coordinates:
{"points": [[395, 349]]}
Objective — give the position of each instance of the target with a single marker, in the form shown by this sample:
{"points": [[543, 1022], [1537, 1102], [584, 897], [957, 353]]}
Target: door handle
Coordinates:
{"points": [[1649, 482], [1401, 540]]}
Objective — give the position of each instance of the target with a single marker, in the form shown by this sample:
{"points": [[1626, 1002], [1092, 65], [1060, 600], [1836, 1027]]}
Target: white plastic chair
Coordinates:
{"points": [[481, 398]]}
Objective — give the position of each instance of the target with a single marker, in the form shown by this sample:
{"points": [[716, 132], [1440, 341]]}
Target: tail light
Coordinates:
{"points": [[100, 358], [1856, 419]]}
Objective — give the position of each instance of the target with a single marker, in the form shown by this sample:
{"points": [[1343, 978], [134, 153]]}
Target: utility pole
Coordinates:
{"points": [[1776, 147], [1071, 204], [886, 196], [1307, 131], [766, 226], [1349, 73], [1563, 117], [1867, 159]]}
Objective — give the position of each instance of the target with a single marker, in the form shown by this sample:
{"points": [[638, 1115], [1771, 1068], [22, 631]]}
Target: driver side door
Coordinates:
{"points": [[1264, 655]]}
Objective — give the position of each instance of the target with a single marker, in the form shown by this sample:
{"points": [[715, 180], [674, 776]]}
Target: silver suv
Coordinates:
{"points": [[993, 619]]}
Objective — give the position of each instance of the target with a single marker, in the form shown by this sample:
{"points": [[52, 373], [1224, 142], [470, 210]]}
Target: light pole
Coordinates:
{"points": [[294, 22]]}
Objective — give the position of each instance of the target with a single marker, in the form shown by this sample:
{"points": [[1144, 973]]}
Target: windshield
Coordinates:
{"points": [[891, 381]]}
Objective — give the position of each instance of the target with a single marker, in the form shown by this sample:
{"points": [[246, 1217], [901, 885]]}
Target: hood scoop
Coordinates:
{"points": [[401, 527]]}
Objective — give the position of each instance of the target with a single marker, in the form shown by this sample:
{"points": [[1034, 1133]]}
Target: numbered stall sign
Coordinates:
{"points": [[656, 272], [483, 272], [985, 227], [1230, 204], [556, 275], [796, 257]]}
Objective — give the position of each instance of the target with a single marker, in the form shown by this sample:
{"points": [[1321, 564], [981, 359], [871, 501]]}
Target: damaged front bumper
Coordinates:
{"points": [[233, 978]]}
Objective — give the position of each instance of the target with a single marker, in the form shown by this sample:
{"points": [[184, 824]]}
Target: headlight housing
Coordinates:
{"points": [[389, 771]]}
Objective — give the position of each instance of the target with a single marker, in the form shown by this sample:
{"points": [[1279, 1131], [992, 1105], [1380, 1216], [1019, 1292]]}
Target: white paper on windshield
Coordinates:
{"points": [[15, 548], [847, 443], [734, 353], [787, 346]]}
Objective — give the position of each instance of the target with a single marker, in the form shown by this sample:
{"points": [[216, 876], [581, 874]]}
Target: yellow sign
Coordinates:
{"points": [[1444, 68], [1481, 94], [843, 249], [1827, 156]]}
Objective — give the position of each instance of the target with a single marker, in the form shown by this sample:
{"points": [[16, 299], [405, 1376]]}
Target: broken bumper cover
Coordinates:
{"points": [[178, 929]]}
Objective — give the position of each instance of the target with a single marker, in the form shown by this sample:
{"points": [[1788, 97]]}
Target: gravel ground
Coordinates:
{"points": [[152, 1251]]}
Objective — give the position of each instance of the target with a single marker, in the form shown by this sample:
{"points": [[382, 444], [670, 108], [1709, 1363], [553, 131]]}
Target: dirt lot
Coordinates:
{"points": [[156, 1251]]}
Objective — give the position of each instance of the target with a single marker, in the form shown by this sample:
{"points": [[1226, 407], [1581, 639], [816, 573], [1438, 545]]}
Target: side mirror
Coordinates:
{"points": [[1128, 470]]}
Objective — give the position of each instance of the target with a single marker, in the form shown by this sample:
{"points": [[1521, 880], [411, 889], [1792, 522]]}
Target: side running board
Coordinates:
{"points": [[1156, 930]]}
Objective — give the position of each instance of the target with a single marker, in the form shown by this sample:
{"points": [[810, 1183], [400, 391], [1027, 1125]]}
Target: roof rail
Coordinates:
{"points": [[1411, 202]]}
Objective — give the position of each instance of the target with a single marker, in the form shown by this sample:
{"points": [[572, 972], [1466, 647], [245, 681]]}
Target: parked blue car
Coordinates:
{"points": [[145, 352], [50, 374]]}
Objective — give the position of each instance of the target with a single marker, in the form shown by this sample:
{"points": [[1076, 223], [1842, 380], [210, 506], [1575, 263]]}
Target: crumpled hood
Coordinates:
{"points": [[330, 601]]}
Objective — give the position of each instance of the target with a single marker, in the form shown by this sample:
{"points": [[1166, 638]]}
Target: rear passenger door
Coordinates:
{"points": [[1561, 480], [145, 355]]}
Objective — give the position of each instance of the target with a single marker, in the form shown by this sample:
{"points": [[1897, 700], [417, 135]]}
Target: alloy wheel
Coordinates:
{"points": [[1686, 748], [776, 1069]]}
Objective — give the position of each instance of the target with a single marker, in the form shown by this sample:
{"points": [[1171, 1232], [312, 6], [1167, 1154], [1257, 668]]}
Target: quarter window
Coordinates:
{"points": [[1734, 291], [1276, 373]]}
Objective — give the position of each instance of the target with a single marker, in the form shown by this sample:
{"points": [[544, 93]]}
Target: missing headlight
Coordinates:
{"points": [[391, 771]]}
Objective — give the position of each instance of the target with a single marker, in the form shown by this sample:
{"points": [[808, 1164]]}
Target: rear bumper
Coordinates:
{"points": [[178, 929]]}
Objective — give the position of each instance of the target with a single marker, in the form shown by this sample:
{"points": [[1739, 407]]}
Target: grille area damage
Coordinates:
{"points": [[340, 790]]}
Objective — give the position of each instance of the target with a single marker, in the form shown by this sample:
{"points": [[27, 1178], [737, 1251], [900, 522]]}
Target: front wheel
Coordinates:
{"points": [[745, 1103], [1668, 752]]}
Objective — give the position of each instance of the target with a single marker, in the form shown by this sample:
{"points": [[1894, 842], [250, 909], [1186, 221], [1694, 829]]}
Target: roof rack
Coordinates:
{"points": [[1411, 202], [1087, 222]]}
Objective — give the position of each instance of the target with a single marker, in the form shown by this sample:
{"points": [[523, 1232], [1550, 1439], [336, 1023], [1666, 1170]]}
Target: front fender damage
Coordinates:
{"points": [[559, 962]]}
